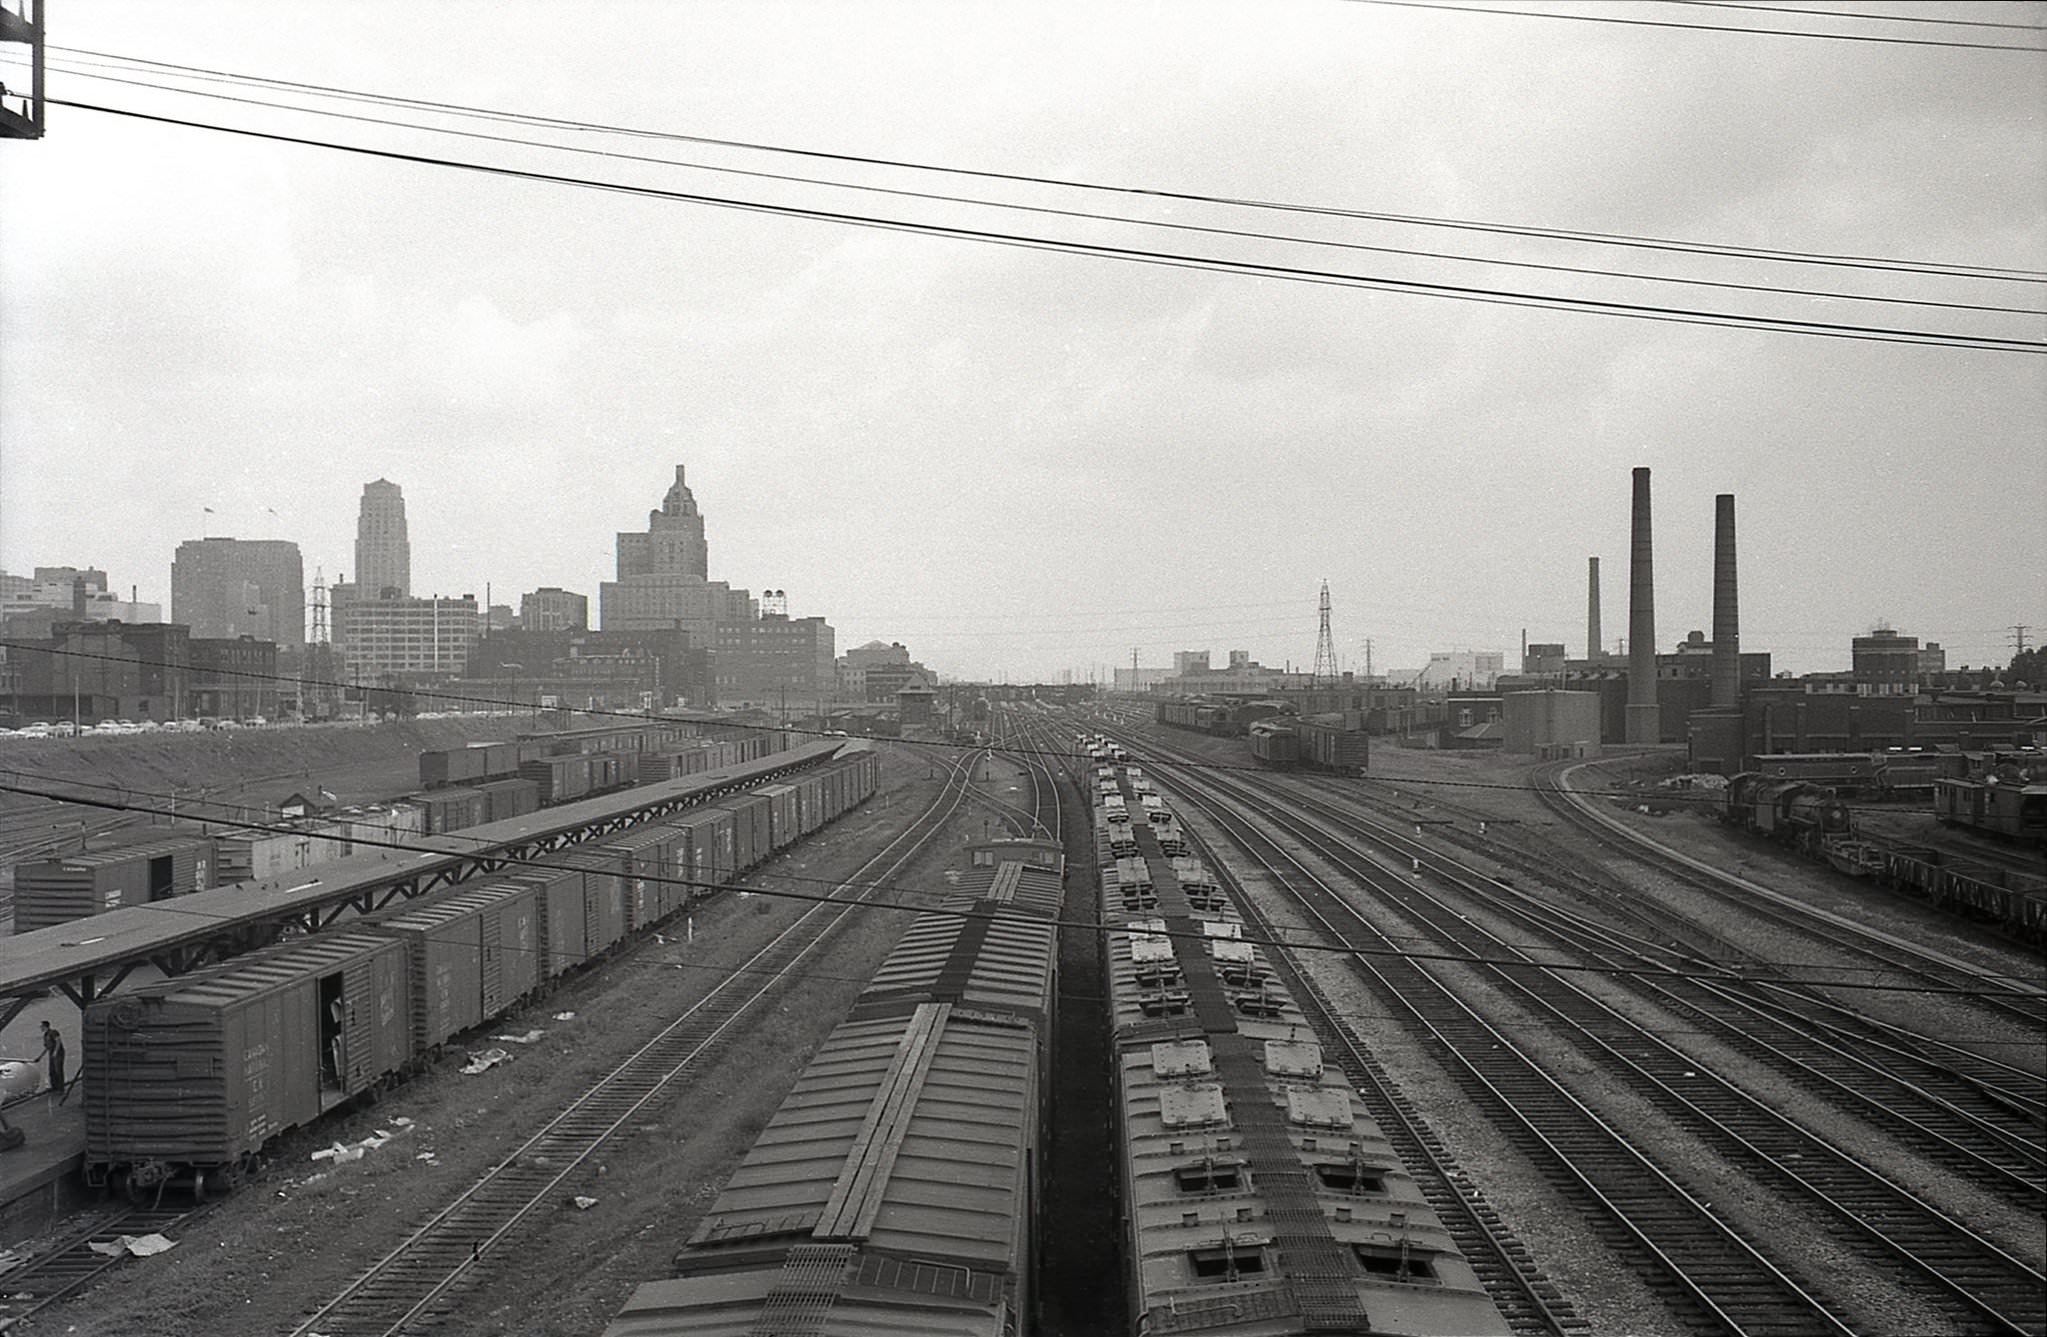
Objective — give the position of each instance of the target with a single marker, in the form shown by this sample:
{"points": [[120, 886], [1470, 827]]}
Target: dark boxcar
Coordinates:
{"points": [[782, 828], [452, 809], [752, 828], [711, 848], [505, 799], [809, 804], [470, 956], [56, 891], [199, 1073], [643, 858], [559, 779], [604, 921], [1275, 744], [560, 918], [1333, 748]]}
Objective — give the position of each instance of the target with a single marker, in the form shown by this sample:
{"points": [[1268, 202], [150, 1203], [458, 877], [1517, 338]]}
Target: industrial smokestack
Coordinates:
{"points": [[1726, 609], [1644, 721], [1592, 641]]}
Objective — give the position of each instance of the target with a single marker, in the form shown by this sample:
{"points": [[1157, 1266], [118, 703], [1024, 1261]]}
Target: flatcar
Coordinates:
{"points": [[894, 1189], [191, 1078], [1258, 1198]]}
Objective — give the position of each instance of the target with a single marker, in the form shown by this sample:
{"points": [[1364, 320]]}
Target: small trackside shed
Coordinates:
{"points": [[197, 1074], [72, 886]]}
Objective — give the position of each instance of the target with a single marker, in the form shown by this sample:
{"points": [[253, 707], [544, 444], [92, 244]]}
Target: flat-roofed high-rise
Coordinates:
{"points": [[383, 552], [225, 588]]}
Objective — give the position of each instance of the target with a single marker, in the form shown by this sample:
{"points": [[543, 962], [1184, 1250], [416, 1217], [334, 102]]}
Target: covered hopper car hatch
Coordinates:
{"points": [[189, 1080]]}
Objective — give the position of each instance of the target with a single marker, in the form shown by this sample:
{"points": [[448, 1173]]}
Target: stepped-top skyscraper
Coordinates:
{"points": [[674, 541], [383, 553], [662, 577]]}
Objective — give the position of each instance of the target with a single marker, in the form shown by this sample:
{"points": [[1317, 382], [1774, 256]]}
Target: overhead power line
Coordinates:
{"points": [[1717, 973], [1578, 15], [1861, 14], [1624, 240], [1168, 225], [1139, 255]]}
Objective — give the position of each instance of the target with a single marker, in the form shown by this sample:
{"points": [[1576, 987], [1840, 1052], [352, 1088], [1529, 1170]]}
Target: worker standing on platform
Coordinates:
{"points": [[53, 1050]]}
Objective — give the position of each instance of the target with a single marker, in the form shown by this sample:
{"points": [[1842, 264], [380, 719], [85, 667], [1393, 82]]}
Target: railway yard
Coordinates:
{"points": [[1457, 1044]]}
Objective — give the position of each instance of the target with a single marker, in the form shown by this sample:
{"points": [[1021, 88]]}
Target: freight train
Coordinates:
{"points": [[1257, 1197], [1816, 822], [460, 788], [1320, 743], [1215, 715], [895, 1188], [191, 1078]]}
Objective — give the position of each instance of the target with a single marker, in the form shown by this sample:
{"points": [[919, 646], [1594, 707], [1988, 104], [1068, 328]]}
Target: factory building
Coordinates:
{"points": [[1550, 724]]}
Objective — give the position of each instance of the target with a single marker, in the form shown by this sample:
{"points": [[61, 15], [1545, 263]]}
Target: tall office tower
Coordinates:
{"points": [[383, 554], [661, 577], [225, 588], [674, 542]]}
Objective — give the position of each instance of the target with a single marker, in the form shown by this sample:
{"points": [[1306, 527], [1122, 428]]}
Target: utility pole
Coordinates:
{"points": [[2018, 637]]}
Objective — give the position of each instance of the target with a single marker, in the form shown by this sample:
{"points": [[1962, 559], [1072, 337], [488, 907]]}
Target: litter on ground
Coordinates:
{"points": [[141, 1246], [583, 1204], [564, 1016], [485, 1061], [526, 1039]]}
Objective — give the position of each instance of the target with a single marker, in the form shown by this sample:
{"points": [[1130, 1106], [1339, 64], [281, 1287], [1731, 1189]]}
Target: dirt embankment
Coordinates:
{"points": [[357, 763]]}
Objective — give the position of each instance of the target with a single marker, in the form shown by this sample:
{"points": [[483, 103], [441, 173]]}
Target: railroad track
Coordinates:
{"points": [[2016, 1000], [418, 1282], [36, 1283], [1525, 1296], [1981, 1119], [1972, 1271], [1719, 1280]]}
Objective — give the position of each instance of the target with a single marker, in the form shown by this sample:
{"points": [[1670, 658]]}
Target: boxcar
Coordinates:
{"points": [[194, 1075], [711, 850], [72, 886], [782, 825], [468, 958], [562, 918], [752, 828]]}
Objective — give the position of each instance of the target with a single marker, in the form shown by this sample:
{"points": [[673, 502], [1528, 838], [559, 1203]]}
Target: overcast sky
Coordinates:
{"points": [[1021, 461]]}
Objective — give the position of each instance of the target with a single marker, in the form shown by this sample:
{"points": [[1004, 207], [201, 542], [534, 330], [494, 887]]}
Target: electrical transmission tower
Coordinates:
{"points": [[1325, 647]]}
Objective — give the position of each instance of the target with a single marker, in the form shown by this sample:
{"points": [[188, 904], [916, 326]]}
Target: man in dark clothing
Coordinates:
{"points": [[53, 1050]]}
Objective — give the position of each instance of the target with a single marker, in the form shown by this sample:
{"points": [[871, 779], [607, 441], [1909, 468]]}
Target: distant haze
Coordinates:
{"points": [[1018, 462]]}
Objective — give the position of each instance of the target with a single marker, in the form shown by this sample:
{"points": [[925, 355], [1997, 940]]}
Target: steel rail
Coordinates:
{"points": [[1989, 1134], [423, 1270], [1717, 1276], [1967, 1266], [33, 1285], [2027, 1004], [1983, 1081]]}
